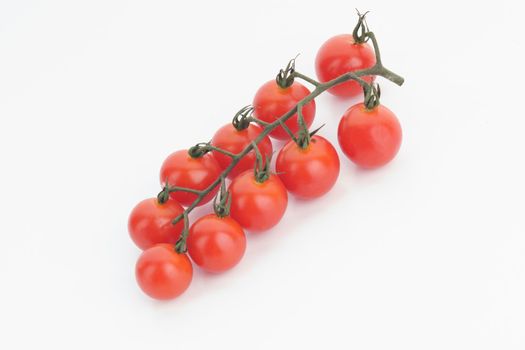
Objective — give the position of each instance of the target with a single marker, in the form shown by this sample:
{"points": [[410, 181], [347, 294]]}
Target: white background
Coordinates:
{"points": [[425, 253]]}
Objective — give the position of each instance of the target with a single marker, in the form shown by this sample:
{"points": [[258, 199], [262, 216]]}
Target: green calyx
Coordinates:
{"points": [[361, 29], [164, 195], [243, 118], [304, 137], [285, 78], [261, 170], [262, 173], [199, 149], [222, 202], [372, 96]]}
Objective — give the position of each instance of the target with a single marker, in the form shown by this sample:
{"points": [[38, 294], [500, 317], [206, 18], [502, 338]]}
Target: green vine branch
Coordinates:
{"points": [[244, 117]]}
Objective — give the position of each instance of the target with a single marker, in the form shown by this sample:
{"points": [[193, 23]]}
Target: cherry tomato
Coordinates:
{"points": [[340, 55], [257, 206], [180, 169], [162, 273], [215, 243], [370, 138], [234, 141], [309, 172], [272, 102], [150, 223]]}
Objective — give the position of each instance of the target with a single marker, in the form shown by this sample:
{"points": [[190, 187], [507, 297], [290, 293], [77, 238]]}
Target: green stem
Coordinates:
{"points": [[306, 78], [180, 245], [260, 122], [220, 150], [183, 189], [288, 131]]}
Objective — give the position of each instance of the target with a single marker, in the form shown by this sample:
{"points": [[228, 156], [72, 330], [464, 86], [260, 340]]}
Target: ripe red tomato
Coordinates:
{"points": [[180, 169], [340, 55], [162, 273], [370, 138], [215, 243], [150, 223], [271, 102], [309, 172], [257, 206], [234, 141]]}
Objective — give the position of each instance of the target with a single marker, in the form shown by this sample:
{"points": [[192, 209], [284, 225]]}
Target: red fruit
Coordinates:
{"points": [[180, 169], [257, 206], [370, 138], [150, 223], [215, 243], [340, 55], [308, 172], [162, 273]]}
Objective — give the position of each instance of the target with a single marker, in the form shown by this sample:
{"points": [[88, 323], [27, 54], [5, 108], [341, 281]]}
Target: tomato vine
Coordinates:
{"points": [[245, 116]]}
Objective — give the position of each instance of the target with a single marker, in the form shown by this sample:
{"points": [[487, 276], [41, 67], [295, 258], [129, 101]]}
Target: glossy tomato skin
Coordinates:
{"points": [[370, 138], [180, 169], [162, 273], [234, 141], [150, 223], [257, 206], [339, 55], [310, 172], [216, 244], [272, 102]]}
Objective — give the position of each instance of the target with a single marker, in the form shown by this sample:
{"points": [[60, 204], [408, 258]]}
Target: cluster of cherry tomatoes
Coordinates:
{"points": [[256, 198]]}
